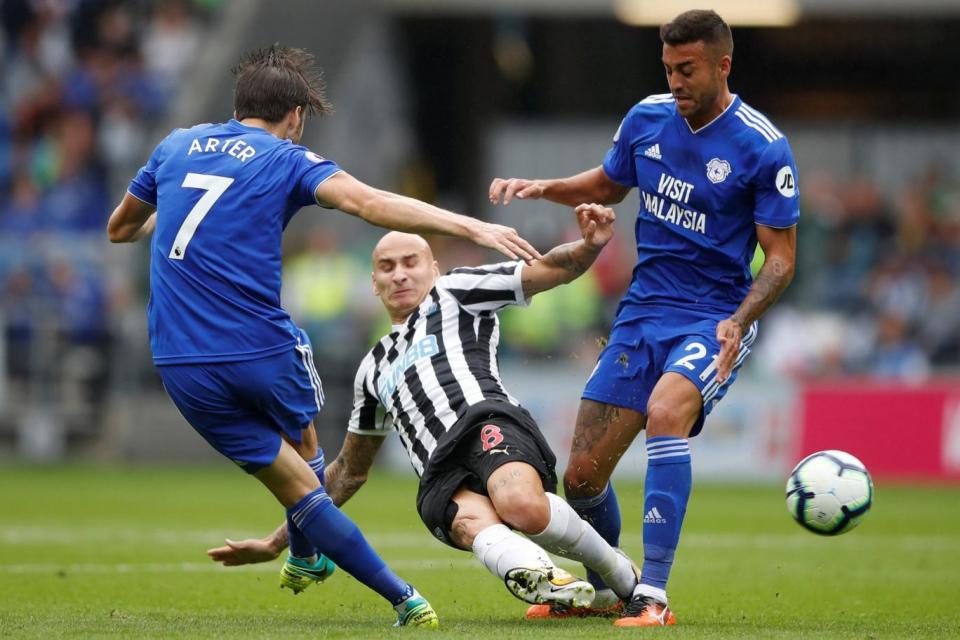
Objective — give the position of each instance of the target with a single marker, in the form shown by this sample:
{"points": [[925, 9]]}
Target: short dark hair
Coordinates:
{"points": [[273, 80], [698, 25]]}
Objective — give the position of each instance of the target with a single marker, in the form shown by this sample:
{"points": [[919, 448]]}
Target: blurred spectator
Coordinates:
{"points": [[939, 325], [894, 354], [171, 42], [78, 103], [324, 289], [17, 311]]}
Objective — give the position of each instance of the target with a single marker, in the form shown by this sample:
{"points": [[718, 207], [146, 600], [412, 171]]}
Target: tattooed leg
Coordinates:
{"points": [[602, 435]]}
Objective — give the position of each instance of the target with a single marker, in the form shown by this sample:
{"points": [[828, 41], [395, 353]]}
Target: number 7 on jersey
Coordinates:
{"points": [[214, 187]]}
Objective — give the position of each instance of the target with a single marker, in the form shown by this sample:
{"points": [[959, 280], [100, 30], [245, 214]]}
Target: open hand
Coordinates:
{"points": [[506, 240], [510, 187], [729, 335], [596, 224], [250, 551]]}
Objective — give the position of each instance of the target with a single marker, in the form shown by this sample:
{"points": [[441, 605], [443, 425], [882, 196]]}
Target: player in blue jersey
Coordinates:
{"points": [[715, 177], [219, 197]]}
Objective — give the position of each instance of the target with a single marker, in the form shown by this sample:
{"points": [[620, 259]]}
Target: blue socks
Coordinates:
{"points": [[336, 536], [318, 465], [666, 492], [603, 513], [300, 547]]}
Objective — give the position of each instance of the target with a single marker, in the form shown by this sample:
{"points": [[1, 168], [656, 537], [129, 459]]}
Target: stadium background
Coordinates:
{"points": [[433, 99]]}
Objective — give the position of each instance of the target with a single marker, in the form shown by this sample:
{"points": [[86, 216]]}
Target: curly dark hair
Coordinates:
{"points": [[698, 25], [273, 80]]}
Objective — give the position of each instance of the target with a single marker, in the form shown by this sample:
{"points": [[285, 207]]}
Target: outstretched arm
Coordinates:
{"points": [[342, 478], [347, 473], [132, 220], [593, 185], [401, 213], [569, 261], [780, 249]]}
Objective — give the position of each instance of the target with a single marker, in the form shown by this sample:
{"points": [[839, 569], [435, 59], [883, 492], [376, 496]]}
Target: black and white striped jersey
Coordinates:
{"points": [[424, 376]]}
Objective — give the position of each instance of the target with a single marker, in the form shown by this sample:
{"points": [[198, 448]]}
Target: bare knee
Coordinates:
{"points": [[524, 511], [465, 528], [307, 447], [667, 419], [475, 513], [307, 450], [583, 478]]}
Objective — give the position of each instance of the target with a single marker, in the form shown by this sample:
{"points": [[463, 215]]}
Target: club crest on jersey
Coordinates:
{"points": [[718, 170]]}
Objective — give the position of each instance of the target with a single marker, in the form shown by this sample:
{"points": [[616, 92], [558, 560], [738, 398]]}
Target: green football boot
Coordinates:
{"points": [[417, 612], [297, 574]]}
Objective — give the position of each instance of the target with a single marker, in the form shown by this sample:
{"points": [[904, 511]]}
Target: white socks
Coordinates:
{"points": [[653, 592], [570, 536], [500, 549]]}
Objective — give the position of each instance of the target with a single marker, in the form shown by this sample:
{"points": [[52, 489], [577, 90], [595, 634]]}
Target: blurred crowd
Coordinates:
{"points": [[84, 92], [85, 84], [877, 292]]}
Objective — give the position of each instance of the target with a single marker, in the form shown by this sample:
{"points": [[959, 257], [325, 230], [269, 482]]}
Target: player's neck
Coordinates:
{"points": [[275, 128], [723, 101]]}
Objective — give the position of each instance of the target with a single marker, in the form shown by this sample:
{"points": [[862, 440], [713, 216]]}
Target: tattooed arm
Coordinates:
{"points": [[347, 473], [569, 261], [342, 478], [780, 248]]}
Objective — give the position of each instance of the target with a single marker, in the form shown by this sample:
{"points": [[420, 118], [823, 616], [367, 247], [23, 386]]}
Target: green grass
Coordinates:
{"points": [[119, 552]]}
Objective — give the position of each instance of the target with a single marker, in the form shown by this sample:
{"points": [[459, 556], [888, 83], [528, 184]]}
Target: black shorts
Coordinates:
{"points": [[489, 438]]}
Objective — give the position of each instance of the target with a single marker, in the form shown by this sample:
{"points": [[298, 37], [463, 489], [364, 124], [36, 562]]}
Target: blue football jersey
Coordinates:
{"points": [[224, 194], [702, 193]]}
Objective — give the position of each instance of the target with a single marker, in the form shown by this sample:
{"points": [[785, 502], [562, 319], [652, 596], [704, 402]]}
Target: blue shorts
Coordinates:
{"points": [[242, 408], [657, 340]]}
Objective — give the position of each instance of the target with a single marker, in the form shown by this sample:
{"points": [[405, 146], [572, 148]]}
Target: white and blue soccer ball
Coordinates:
{"points": [[829, 492]]}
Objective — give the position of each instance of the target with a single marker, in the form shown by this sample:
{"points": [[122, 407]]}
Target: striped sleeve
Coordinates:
{"points": [[367, 417], [487, 288]]}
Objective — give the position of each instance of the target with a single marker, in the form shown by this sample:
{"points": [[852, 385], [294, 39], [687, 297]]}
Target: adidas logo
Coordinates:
{"points": [[653, 152], [653, 517]]}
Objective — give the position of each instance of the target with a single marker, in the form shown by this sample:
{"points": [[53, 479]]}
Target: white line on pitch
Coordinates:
{"points": [[26, 535]]}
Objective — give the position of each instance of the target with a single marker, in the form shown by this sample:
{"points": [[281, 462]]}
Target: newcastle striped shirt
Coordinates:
{"points": [[423, 376]]}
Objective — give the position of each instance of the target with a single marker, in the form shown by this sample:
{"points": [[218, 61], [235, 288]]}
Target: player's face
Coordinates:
{"points": [[696, 75], [403, 273]]}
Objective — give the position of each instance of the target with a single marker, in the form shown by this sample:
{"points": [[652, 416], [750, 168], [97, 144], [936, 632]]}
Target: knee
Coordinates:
{"points": [[665, 419], [526, 512], [582, 479], [308, 449], [465, 528]]}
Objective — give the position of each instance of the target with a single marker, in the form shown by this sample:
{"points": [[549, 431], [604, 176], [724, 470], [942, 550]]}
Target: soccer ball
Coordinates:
{"points": [[829, 492]]}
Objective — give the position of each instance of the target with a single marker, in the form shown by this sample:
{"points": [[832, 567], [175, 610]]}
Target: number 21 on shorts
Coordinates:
{"points": [[696, 351]]}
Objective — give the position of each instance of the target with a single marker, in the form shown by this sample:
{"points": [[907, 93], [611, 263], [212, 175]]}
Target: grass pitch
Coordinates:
{"points": [[119, 552]]}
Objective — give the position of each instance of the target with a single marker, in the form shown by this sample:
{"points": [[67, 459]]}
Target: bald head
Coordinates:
{"points": [[403, 273], [400, 241]]}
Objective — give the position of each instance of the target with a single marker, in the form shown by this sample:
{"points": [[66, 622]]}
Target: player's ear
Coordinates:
{"points": [[373, 282], [436, 269], [724, 65]]}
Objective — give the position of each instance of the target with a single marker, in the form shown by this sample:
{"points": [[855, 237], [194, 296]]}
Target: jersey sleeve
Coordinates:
{"points": [[618, 164], [309, 171], [487, 288], [777, 194], [368, 417], [144, 184]]}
